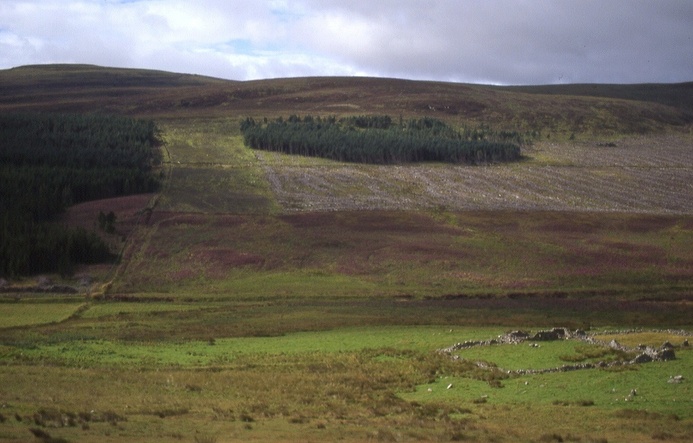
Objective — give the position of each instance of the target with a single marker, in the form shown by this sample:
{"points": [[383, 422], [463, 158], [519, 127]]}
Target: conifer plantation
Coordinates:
{"points": [[377, 139], [51, 161]]}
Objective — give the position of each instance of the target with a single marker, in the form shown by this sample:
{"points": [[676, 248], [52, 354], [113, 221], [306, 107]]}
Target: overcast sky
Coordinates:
{"points": [[478, 41]]}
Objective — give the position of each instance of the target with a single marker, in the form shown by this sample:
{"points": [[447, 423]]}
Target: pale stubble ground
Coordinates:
{"points": [[652, 174]]}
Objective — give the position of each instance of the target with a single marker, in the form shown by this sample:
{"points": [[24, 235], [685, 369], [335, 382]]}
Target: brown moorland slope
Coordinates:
{"points": [[212, 175], [563, 110], [679, 95]]}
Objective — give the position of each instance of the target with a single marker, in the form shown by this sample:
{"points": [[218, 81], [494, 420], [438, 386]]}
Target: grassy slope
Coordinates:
{"points": [[251, 317]]}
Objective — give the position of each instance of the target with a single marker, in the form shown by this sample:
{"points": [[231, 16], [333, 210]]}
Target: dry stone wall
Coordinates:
{"points": [[643, 354]]}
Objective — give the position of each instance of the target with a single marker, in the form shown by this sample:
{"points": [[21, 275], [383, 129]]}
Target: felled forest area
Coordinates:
{"points": [[380, 140], [51, 161]]}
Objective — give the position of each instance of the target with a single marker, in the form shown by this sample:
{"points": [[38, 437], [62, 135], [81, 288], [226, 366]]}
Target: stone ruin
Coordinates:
{"points": [[644, 353]]}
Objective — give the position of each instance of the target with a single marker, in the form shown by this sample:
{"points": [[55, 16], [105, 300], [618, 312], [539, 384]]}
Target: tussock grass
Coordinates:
{"points": [[588, 352], [335, 381], [97, 310]]}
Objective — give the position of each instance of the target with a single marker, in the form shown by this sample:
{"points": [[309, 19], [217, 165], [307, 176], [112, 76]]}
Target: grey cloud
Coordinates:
{"points": [[492, 41], [524, 42]]}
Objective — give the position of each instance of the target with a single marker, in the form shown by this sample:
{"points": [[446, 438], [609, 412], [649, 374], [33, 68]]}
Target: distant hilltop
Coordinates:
{"points": [[553, 110]]}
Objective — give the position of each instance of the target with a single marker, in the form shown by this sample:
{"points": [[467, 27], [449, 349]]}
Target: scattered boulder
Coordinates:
{"points": [[642, 358], [666, 354], [613, 344], [545, 336], [553, 334], [676, 379], [517, 335]]}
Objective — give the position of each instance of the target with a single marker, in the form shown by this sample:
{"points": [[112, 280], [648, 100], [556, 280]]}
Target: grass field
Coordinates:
{"points": [[27, 314], [353, 383], [264, 297]]}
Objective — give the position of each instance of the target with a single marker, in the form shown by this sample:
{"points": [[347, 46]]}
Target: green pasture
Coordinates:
{"points": [[221, 351], [400, 349], [13, 314], [599, 388], [524, 356]]}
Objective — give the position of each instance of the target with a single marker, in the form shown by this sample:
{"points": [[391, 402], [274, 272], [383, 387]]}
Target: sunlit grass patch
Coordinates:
{"points": [[222, 351], [28, 313], [524, 355], [205, 141], [415, 338], [611, 389], [215, 188]]}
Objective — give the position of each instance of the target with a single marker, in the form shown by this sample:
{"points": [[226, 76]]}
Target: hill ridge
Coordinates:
{"points": [[592, 110]]}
